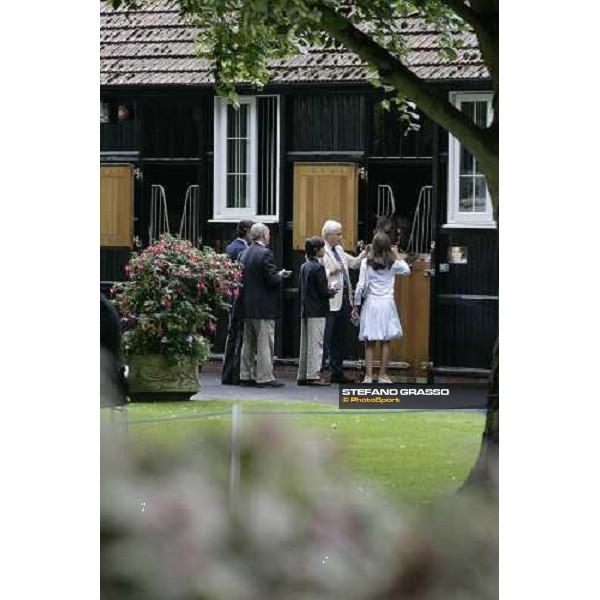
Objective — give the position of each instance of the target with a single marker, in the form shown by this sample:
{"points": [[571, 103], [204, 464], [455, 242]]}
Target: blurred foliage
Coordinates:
{"points": [[412, 457], [296, 529]]}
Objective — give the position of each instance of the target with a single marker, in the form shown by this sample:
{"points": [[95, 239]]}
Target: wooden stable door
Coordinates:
{"points": [[116, 206], [411, 353], [321, 192]]}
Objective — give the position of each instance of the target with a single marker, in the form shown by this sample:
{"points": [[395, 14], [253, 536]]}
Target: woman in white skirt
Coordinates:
{"points": [[379, 320]]}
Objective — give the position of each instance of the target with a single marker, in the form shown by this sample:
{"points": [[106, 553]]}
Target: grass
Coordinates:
{"points": [[413, 457]]}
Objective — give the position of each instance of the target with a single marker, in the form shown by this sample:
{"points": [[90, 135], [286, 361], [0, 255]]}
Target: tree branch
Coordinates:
{"points": [[432, 102], [483, 18], [465, 12]]}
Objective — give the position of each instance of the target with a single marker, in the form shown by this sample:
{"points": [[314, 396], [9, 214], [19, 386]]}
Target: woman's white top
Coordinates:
{"points": [[380, 283]]}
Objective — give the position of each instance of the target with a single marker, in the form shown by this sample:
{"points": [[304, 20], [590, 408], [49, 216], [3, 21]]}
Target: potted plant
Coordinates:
{"points": [[167, 308]]}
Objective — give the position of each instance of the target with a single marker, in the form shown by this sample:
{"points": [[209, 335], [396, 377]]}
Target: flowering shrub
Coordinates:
{"points": [[167, 305]]}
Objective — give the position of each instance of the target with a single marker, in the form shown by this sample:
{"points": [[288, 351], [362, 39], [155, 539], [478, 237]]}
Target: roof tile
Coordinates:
{"points": [[156, 46]]}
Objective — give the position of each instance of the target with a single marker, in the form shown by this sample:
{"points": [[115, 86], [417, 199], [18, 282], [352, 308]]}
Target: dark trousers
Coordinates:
{"points": [[233, 351], [336, 337]]}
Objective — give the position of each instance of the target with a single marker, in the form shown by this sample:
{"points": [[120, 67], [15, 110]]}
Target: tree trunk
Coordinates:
{"points": [[484, 475]]}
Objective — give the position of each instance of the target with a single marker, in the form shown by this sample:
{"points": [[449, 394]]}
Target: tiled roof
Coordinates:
{"points": [[155, 46]]}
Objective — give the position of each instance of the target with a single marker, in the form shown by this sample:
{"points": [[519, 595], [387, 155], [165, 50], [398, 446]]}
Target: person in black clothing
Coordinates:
{"points": [[235, 334], [260, 300], [314, 308], [113, 385]]}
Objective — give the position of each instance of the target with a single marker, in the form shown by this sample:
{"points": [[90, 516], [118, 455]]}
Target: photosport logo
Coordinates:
{"points": [[413, 396]]}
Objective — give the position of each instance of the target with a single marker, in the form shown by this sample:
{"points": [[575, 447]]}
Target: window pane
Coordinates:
{"points": [[468, 108], [465, 200], [237, 156], [237, 121], [481, 113], [472, 196], [466, 162], [237, 191], [480, 194]]}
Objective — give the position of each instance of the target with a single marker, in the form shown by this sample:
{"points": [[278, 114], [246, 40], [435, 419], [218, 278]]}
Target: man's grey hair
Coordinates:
{"points": [[258, 231], [331, 227]]}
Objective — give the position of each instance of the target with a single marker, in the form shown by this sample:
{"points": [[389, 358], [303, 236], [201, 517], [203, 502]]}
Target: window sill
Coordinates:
{"points": [[467, 225], [255, 218]]}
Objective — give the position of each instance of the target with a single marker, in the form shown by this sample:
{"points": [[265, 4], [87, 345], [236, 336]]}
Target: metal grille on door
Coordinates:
{"points": [[190, 219], [189, 225], [159, 218]]}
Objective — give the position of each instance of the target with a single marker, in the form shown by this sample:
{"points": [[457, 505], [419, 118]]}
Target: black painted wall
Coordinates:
{"points": [[174, 137], [465, 320], [327, 123], [390, 137], [177, 127], [121, 135]]}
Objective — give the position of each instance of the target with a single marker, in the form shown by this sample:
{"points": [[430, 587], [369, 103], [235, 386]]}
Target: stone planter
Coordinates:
{"points": [[153, 379]]}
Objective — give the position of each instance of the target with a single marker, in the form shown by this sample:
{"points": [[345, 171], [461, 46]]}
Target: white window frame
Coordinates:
{"points": [[456, 218], [221, 213]]}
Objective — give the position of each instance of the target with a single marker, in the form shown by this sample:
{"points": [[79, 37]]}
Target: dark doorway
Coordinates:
{"points": [[169, 182], [395, 189]]}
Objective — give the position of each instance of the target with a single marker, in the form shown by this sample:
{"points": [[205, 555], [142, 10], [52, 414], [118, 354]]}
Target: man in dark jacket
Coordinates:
{"points": [[113, 385], [261, 284], [235, 334], [314, 309]]}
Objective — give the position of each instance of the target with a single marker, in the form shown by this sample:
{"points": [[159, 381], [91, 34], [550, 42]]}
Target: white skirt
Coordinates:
{"points": [[379, 320]]}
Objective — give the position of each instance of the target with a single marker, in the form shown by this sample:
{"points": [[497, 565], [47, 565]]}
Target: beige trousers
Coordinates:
{"points": [[311, 347], [259, 336]]}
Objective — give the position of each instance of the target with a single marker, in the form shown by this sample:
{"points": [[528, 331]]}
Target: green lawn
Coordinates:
{"points": [[412, 457]]}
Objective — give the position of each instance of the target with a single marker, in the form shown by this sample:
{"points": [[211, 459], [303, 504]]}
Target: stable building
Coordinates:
{"points": [[314, 144]]}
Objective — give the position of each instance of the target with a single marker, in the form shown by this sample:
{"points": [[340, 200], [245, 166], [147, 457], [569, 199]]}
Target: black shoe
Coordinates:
{"points": [[341, 379], [321, 382], [248, 382], [301, 382], [273, 383]]}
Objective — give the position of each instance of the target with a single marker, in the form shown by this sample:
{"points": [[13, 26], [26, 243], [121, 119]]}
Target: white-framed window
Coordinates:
{"points": [[246, 159], [469, 201]]}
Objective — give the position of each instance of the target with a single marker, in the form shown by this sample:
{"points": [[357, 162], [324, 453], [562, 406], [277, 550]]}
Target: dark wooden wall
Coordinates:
{"points": [[465, 320], [390, 138], [121, 135], [189, 130], [170, 138], [328, 122]]}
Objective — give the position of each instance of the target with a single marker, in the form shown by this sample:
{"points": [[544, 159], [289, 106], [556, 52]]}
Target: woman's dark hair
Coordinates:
{"points": [[313, 245], [381, 255], [243, 227]]}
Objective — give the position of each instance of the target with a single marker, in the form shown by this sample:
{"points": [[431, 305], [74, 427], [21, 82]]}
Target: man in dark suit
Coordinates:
{"points": [[235, 334], [262, 284]]}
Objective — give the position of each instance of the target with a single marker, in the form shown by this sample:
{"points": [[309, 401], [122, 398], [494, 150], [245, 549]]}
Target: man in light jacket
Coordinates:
{"points": [[337, 262]]}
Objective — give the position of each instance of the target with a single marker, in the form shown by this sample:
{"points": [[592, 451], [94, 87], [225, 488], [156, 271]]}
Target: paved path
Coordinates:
{"points": [[472, 397], [213, 389]]}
